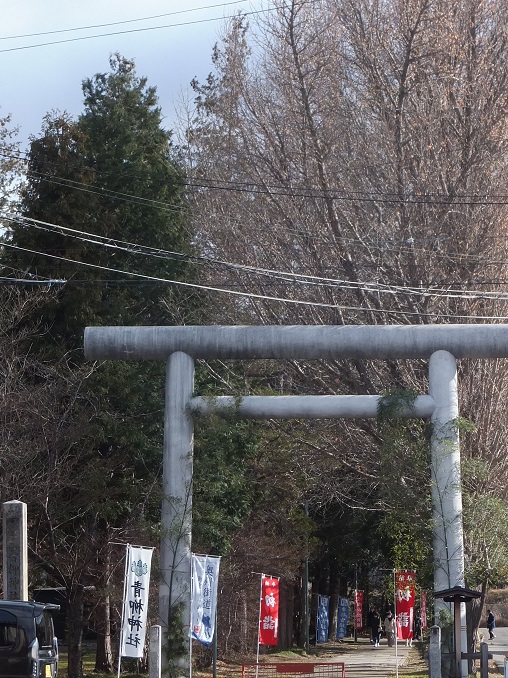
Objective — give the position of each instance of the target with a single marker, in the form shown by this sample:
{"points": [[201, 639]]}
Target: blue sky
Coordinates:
{"points": [[38, 79]]}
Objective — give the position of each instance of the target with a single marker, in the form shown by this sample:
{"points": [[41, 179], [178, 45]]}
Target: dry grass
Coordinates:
{"points": [[497, 600]]}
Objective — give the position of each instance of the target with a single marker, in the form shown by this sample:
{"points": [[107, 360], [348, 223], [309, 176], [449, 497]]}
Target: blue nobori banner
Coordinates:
{"points": [[204, 584], [342, 618], [322, 619]]}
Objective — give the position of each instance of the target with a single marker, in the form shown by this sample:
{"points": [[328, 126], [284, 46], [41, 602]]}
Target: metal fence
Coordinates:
{"points": [[294, 669]]}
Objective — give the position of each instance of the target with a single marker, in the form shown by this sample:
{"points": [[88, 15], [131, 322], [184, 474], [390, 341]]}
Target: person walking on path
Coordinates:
{"points": [[375, 627], [390, 628], [491, 624]]}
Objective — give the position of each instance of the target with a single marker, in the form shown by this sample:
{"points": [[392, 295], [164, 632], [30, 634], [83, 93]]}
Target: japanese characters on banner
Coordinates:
{"points": [[269, 611], [135, 604], [358, 609], [322, 619], [423, 607], [405, 599], [342, 618], [204, 581]]}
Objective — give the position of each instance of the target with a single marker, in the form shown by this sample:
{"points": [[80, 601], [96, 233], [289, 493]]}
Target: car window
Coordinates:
{"points": [[44, 629], [8, 629], [8, 634]]}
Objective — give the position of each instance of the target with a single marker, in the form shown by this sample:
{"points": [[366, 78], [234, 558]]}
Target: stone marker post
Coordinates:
{"points": [[154, 652], [435, 652], [15, 561]]}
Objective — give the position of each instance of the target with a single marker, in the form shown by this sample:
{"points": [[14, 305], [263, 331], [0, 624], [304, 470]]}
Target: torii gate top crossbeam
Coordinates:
{"points": [[297, 342]]}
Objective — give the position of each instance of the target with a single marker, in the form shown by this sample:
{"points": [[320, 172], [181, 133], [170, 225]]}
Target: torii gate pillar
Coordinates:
{"points": [[176, 518], [448, 539]]}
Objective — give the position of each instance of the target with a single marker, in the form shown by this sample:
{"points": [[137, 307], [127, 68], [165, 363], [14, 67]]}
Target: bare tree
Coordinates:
{"points": [[348, 166], [10, 164]]}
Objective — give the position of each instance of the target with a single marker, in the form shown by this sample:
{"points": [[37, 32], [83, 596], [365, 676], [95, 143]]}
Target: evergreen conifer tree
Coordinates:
{"points": [[109, 177]]}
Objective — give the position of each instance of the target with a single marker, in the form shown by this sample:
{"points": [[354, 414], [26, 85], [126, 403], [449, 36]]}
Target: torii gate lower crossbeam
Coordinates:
{"points": [[179, 346]]}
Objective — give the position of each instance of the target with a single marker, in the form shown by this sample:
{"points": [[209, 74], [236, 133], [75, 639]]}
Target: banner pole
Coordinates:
{"points": [[307, 612], [215, 639], [191, 607], [355, 635], [396, 627], [259, 619], [214, 652], [317, 619], [120, 643]]}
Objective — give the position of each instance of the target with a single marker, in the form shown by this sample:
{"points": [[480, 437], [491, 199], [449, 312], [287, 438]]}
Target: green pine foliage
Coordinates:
{"points": [[404, 487], [223, 492], [110, 174]]}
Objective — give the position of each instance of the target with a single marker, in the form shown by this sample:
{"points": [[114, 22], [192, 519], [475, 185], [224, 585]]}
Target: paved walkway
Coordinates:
{"points": [[362, 659], [498, 647]]}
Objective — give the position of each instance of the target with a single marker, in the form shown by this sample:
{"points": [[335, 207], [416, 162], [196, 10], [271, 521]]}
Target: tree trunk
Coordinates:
{"points": [[334, 600], [473, 620], [304, 606], [104, 654], [75, 631], [285, 617]]}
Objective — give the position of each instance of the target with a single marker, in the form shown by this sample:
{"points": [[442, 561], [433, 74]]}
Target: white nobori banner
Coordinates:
{"points": [[204, 581], [135, 605]]}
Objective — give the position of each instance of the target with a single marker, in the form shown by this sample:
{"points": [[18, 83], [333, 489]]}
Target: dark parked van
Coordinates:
{"points": [[28, 646]]}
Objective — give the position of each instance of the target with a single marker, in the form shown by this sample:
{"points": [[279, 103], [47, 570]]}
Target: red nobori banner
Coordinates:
{"points": [[269, 611], [358, 609], [405, 597], [423, 606]]}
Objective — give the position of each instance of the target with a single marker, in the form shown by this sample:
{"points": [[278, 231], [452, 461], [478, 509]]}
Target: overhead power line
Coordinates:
{"points": [[250, 295], [283, 276], [120, 23], [47, 282], [348, 196], [279, 276], [378, 244], [335, 193], [134, 30], [374, 243], [107, 193]]}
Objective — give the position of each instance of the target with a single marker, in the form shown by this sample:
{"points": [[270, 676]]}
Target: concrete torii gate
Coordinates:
{"points": [[180, 346]]}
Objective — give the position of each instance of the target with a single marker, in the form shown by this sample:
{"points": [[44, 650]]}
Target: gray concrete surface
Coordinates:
{"points": [[362, 659], [498, 647], [380, 342], [306, 407]]}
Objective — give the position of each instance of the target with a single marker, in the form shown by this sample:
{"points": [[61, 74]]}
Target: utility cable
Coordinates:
{"points": [[251, 295], [135, 30], [425, 198], [119, 23], [280, 276], [287, 276], [481, 295]]}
